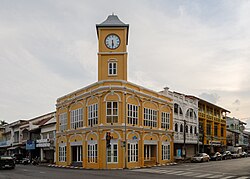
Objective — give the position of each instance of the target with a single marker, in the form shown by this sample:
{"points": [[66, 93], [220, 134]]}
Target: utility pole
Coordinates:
{"points": [[184, 138]]}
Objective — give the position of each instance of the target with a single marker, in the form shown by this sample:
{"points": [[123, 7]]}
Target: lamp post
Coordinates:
{"points": [[125, 120]]}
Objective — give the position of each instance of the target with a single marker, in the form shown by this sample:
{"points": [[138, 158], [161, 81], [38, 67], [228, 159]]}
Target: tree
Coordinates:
{"points": [[3, 122]]}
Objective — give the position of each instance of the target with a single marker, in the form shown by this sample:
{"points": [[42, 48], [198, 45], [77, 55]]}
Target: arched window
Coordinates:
{"points": [[186, 128], [176, 127], [181, 128], [176, 106], [191, 130], [181, 113], [195, 130]]}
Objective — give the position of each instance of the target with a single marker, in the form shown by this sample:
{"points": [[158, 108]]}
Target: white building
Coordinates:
{"points": [[185, 124], [47, 141]]}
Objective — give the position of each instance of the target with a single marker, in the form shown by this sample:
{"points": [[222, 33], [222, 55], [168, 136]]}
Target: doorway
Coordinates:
{"points": [[76, 155], [150, 154]]}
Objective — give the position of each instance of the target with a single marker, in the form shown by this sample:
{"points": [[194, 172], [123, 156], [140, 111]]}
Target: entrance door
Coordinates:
{"points": [[150, 154], [76, 155]]}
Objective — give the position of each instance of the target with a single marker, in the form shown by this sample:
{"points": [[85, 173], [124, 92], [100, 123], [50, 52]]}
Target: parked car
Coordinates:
{"points": [[216, 156], [7, 162], [244, 154], [227, 155], [200, 157]]}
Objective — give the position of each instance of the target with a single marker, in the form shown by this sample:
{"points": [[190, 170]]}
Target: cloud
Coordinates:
{"points": [[236, 102], [48, 49], [211, 97]]}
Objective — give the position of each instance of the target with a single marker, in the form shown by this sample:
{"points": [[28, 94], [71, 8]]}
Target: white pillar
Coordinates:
{"points": [[41, 153]]}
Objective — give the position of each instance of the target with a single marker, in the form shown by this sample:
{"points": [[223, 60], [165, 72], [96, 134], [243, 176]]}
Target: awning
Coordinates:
{"points": [[12, 148]]}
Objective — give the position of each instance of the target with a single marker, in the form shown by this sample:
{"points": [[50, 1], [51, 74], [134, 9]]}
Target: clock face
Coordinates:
{"points": [[112, 41]]}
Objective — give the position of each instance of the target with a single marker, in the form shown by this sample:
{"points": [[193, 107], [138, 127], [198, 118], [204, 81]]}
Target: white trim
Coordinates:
{"points": [[150, 142], [76, 143]]}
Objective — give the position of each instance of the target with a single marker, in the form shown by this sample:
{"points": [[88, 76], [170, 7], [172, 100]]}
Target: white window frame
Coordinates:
{"points": [[93, 114], [133, 152], [147, 152], [112, 153], [63, 121], [62, 153], [112, 68], [92, 152], [165, 120], [112, 110], [165, 151], [76, 118], [132, 114], [150, 117]]}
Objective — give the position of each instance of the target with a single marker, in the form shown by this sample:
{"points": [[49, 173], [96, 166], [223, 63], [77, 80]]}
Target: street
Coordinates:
{"points": [[226, 169]]}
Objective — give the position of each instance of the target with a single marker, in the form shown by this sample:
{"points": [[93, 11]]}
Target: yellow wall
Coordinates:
{"points": [[124, 95]]}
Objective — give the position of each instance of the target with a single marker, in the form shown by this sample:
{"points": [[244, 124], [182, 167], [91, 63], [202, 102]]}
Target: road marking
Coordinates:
{"points": [[41, 172], [227, 177], [216, 176], [187, 173], [175, 172], [193, 174], [204, 175]]}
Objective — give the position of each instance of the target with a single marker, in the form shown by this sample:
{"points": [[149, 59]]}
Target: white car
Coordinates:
{"points": [[200, 157]]}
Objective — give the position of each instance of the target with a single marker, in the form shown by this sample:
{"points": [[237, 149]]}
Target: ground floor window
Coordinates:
{"points": [[112, 153], [62, 153], [132, 152], [165, 151], [92, 153]]}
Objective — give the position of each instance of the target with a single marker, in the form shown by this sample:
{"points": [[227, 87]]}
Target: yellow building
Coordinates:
{"points": [[212, 127], [139, 120]]}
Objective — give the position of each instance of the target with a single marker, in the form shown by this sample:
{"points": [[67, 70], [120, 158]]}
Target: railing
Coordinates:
{"points": [[202, 114]]}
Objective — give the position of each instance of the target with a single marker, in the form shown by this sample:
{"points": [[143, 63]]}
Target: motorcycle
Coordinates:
{"points": [[35, 161]]}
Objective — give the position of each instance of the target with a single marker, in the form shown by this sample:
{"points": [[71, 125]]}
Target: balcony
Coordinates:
{"points": [[209, 117], [217, 119], [202, 114]]}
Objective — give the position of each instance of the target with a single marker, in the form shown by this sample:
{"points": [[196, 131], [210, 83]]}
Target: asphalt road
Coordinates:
{"points": [[226, 169]]}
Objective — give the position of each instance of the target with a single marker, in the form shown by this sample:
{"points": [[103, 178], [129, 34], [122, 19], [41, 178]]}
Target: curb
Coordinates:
{"points": [[81, 168]]}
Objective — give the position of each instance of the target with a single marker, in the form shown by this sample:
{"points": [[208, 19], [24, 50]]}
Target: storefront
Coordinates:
{"points": [[47, 150]]}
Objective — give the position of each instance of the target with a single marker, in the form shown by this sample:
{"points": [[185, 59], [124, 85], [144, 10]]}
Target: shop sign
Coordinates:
{"points": [[217, 143], [30, 145], [43, 143]]}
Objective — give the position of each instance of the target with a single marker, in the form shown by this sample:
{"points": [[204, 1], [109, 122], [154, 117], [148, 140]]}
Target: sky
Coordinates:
{"points": [[49, 48]]}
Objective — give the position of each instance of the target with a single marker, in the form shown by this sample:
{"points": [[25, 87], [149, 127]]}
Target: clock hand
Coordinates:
{"points": [[112, 43]]}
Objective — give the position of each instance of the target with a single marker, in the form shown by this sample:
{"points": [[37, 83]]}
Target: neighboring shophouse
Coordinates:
{"points": [[2, 140], [47, 141], [6, 141], [186, 124], [114, 123], [21, 137], [236, 136], [212, 127]]}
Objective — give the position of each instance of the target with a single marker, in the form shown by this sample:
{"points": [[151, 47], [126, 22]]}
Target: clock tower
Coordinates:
{"points": [[112, 49]]}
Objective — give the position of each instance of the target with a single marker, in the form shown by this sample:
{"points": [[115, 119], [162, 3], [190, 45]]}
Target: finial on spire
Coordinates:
{"points": [[113, 13]]}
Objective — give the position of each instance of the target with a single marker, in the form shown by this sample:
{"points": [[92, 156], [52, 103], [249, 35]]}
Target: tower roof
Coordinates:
{"points": [[112, 21]]}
